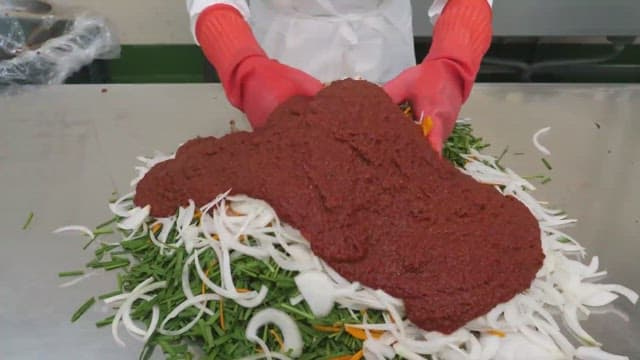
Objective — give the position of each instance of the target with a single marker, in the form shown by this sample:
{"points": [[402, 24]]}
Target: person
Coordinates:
{"points": [[270, 50]]}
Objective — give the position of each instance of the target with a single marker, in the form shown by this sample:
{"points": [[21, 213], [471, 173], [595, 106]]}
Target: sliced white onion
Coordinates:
{"points": [[290, 333], [318, 291], [296, 300], [536, 141], [158, 243], [186, 284], [77, 280], [224, 292], [135, 218], [197, 300], [210, 205], [378, 349], [622, 290], [139, 292], [595, 296], [405, 353], [122, 206], [75, 228], [254, 301], [432, 346], [490, 345], [594, 353]]}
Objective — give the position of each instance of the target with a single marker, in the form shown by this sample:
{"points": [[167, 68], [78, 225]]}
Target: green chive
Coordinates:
{"points": [[28, 222], [296, 311], [83, 309], [108, 295], [107, 223], [504, 152], [116, 265], [103, 231], [104, 248], [534, 177], [71, 273], [89, 242], [105, 322], [546, 164], [545, 180]]}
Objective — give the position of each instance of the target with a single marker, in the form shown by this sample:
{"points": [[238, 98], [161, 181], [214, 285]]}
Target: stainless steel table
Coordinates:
{"points": [[65, 149]]}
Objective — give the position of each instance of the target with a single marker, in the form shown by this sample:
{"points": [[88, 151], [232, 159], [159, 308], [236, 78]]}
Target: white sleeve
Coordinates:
{"points": [[436, 9], [195, 7]]}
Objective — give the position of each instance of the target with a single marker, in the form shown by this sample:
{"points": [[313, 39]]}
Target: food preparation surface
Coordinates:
{"points": [[65, 149]]}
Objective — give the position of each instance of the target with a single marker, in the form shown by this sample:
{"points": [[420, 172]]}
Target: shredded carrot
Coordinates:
{"points": [[197, 214], [242, 290], [427, 125], [407, 111], [359, 355], [222, 314], [278, 339], [204, 288], [327, 328], [345, 357], [156, 227], [497, 333], [360, 334]]}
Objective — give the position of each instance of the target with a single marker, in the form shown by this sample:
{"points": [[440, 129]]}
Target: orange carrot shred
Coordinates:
{"points": [[497, 333], [345, 357], [278, 339], [222, 314], [427, 125], [204, 288], [359, 355], [156, 227], [360, 334], [327, 328]]}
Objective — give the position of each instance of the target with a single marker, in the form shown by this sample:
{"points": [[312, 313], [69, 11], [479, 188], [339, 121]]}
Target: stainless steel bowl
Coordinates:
{"points": [[26, 6]]}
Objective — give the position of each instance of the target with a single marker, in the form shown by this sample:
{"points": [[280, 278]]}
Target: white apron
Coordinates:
{"points": [[334, 39]]}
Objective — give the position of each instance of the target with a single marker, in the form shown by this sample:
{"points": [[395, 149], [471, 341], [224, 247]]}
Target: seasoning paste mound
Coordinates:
{"points": [[358, 179]]}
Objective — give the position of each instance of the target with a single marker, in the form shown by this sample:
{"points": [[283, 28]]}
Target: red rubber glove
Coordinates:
{"points": [[439, 86], [252, 82]]}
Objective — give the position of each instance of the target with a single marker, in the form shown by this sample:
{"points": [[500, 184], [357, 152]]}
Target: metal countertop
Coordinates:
{"points": [[65, 149]]}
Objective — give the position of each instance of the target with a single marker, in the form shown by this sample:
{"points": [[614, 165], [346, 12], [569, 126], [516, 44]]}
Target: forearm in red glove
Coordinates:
{"points": [[437, 88], [252, 82]]}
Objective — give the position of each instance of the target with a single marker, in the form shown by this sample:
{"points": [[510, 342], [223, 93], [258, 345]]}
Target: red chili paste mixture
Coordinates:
{"points": [[358, 179]]}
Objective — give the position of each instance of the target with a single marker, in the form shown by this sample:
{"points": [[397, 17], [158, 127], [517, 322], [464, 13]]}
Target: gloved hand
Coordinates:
{"points": [[439, 86], [252, 82]]}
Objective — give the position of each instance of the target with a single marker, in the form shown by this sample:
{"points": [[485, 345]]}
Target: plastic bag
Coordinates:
{"points": [[43, 43]]}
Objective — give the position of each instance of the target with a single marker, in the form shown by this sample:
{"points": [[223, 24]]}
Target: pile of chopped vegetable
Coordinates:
{"points": [[230, 281]]}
